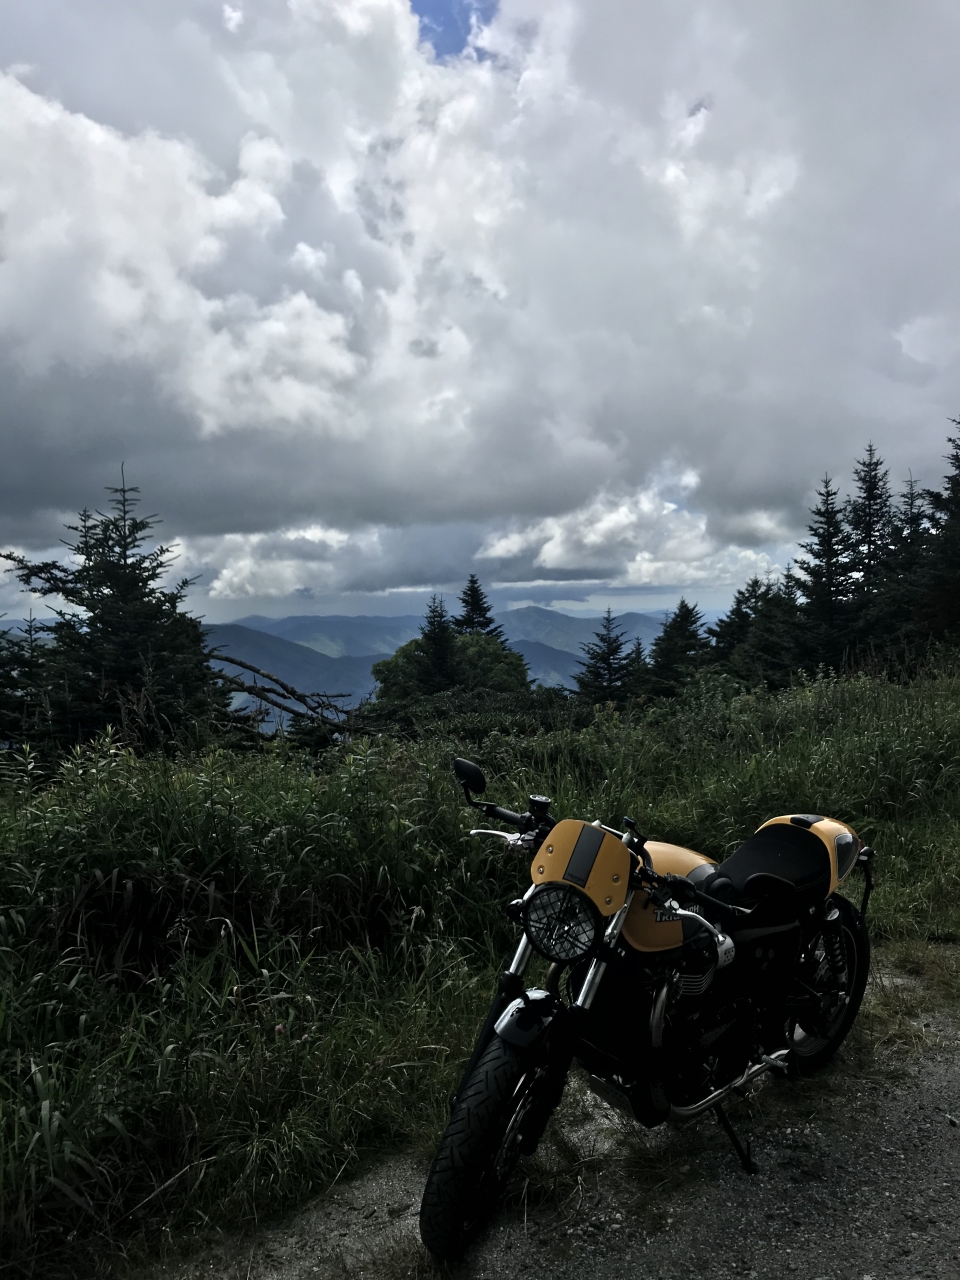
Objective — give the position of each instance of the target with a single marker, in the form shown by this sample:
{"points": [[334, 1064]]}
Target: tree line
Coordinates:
{"points": [[877, 584]]}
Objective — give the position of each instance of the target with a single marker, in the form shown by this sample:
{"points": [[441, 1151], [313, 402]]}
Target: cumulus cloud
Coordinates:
{"points": [[601, 296], [642, 539]]}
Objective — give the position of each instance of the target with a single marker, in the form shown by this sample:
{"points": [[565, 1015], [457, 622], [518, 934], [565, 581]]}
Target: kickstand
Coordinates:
{"points": [[742, 1151]]}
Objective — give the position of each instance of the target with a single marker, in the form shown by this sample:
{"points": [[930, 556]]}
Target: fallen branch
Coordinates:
{"points": [[318, 705]]}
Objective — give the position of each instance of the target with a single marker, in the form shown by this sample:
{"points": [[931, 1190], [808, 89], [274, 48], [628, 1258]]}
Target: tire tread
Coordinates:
{"points": [[444, 1226]]}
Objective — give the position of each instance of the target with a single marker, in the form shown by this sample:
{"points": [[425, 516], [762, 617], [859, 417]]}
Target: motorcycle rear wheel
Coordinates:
{"points": [[813, 1045], [480, 1148]]}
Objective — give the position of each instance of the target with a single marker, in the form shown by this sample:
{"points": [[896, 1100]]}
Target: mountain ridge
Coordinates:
{"points": [[335, 653]]}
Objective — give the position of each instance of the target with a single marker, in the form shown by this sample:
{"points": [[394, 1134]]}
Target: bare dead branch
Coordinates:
{"points": [[319, 706]]}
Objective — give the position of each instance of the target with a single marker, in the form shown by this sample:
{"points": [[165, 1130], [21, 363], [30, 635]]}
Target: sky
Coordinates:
{"points": [[583, 297]]}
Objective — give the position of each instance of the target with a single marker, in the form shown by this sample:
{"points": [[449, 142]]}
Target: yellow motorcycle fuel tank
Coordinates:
{"points": [[645, 929]]}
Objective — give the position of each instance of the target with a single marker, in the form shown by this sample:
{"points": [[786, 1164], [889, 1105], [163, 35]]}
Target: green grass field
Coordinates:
{"points": [[227, 979]]}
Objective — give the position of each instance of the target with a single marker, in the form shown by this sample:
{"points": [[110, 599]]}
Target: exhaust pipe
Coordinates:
{"points": [[774, 1062]]}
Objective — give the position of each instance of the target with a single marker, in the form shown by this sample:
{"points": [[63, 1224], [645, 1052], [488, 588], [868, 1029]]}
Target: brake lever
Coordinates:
{"points": [[509, 837]]}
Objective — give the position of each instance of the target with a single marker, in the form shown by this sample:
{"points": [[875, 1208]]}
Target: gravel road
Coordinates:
{"points": [[859, 1180]]}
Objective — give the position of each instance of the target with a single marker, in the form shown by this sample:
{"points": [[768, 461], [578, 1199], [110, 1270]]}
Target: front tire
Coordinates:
{"points": [[813, 1040], [500, 1114]]}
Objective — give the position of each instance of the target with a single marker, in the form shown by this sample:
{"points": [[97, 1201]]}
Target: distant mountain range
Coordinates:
{"points": [[295, 664], [338, 635], [335, 653], [568, 633]]}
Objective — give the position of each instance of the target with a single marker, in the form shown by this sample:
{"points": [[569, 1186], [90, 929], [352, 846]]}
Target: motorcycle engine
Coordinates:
{"points": [[697, 963]]}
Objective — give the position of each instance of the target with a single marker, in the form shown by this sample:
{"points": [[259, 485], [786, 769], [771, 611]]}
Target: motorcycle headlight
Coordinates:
{"points": [[561, 922]]}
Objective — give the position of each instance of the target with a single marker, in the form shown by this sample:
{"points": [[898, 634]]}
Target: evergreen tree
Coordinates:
{"points": [[757, 641], [898, 614], [476, 615], [636, 676], [24, 707], [602, 676], [485, 663], [441, 659], [734, 628], [678, 652], [825, 583], [438, 648], [10, 695], [938, 607], [869, 517], [121, 653]]}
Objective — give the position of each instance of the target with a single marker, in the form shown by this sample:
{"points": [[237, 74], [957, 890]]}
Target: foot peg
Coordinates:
{"points": [[776, 1064]]}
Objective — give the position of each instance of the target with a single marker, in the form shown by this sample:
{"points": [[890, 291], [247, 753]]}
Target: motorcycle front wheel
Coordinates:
{"points": [[500, 1114], [813, 1040]]}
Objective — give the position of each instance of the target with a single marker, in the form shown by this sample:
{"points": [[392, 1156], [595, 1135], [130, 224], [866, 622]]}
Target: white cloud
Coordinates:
{"points": [[232, 18], [634, 540]]}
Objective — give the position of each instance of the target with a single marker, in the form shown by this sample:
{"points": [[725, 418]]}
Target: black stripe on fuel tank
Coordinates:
{"points": [[584, 856]]}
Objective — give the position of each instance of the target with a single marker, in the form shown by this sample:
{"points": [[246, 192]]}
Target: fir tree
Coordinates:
{"points": [[602, 676], [11, 651], [900, 603], [870, 523], [441, 660], [678, 652], [825, 583], [636, 676], [938, 607], [122, 653], [757, 641], [476, 615], [734, 628], [437, 649]]}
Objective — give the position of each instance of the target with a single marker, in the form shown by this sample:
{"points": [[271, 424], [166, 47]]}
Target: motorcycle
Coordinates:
{"points": [[673, 982]]}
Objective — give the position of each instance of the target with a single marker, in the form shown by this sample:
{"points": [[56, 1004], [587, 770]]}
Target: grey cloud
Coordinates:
{"points": [[433, 308]]}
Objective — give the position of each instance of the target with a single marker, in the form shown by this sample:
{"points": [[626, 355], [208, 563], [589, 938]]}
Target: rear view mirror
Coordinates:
{"points": [[470, 776]]}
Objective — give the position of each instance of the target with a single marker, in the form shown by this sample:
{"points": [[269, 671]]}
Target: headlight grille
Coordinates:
{"points": [[561, 922]]}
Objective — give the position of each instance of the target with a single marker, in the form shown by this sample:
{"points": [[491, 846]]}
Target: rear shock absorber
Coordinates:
{"points": [[833, 944]]}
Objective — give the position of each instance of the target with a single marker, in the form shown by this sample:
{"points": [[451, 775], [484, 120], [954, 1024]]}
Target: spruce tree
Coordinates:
{"points": [[636, 676], [869, 517], [441, 660], [476, 616], [24, 704], [757, 641], [122, 653], [678, 652], [904, 587], [734, 628], [602, 676], [11, 658], [437, 649], [938, 609], [825, 581]]}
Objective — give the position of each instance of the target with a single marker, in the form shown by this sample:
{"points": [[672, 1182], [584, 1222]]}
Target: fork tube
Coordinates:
{"points": [[521, 956], [598, 967]]}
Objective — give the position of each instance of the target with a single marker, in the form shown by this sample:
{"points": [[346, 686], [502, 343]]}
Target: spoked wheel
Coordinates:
{"points": [[499, 1116], [814, 1037]]}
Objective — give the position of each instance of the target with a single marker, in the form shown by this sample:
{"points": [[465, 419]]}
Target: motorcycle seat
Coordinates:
{"points": [[774, 858]]}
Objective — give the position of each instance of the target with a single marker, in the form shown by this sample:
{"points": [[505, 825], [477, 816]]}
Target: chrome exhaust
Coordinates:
{"points": [[772, 1063]]}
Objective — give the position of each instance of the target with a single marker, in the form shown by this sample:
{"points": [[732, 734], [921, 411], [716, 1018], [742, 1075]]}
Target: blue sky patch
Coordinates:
{"points": [[446, 23]]}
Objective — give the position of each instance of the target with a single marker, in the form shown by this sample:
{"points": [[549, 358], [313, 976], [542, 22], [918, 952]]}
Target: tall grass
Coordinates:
{"points": [[225, 979]]}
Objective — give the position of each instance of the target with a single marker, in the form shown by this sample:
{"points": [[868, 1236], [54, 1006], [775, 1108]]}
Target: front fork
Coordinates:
{"points": [[510, 992]]}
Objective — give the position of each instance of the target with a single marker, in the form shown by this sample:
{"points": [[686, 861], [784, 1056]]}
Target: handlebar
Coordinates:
{"points": [[504, 815]]}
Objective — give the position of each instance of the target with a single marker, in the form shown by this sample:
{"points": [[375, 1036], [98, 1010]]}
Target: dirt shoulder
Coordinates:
{"points": [[859, 1180]]}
